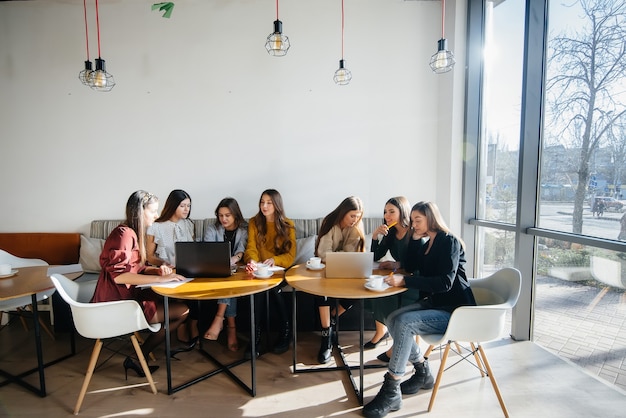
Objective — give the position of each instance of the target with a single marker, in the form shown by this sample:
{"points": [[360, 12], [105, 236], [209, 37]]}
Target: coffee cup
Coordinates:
{"points": [[262, 269], [314, 262], [376, 281], [5, 269]]}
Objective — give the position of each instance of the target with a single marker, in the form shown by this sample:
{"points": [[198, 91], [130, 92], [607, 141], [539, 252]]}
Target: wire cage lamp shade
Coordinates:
{"points": [[83, 76], [100, 79], [443, 60], [342, 76], [277, 44]]}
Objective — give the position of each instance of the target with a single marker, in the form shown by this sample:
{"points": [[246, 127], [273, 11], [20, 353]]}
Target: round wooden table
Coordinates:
{"points": [[315, 282], [26, 284], [237, 285]]}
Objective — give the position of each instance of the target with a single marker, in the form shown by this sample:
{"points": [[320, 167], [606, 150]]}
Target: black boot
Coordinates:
{"points": [[326, 347], [387, 400], [421, 379], [247, 354], [284, 338]]}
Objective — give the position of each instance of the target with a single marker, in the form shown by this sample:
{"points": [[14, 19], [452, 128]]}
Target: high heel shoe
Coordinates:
{"points": [[212, 333], [371, 344], [130, 364], [232, 336], [190, 346], [383, 357]]}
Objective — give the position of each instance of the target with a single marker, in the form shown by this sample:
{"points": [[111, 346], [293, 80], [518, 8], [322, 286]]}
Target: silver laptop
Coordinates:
{"points": [[203, 259], [349, 265]]}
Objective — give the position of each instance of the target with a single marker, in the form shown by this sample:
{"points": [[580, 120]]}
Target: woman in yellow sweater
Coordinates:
{"points": [[271, 241]]}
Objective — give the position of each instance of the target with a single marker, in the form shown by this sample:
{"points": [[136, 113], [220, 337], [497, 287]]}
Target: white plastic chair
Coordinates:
{"points": [[103, 320], [17, 304], [475, 324]]}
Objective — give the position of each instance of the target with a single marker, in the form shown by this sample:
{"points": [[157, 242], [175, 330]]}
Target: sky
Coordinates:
{"points": [[504, 51]]}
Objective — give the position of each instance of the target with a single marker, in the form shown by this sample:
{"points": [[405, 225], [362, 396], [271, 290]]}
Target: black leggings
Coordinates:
{"points": [[277, 303], [326, 301]]}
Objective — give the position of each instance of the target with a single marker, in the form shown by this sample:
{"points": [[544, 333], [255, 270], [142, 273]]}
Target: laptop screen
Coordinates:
{"points": [[203, 259], [349, 265]]}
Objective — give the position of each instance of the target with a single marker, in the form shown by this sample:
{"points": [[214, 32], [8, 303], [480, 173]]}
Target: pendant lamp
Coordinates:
{"points": [[277, 44], [100, 79], [342, 75], [83, 76], [443, 60]]}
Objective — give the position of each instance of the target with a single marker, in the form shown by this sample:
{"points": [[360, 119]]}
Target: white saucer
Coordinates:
{"points": [[384, 287], [258, 276], [321, 267], [5, 276]]}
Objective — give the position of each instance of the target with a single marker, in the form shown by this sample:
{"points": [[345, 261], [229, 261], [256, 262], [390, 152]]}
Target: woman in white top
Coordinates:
{"points": [[341, 230], [230, 226], [172, 226]]}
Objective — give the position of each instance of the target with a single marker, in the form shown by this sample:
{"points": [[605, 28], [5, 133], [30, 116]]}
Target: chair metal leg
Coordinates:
{"points": [[493, 380], [442, 366], [92, 365], [144, 365]]}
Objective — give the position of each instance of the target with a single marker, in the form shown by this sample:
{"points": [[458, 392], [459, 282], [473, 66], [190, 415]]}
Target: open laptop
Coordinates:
{"points": [[341, 265], [203, 259]]}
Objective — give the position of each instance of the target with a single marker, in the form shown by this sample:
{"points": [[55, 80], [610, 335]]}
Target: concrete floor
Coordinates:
{"points": [[533, 382]]}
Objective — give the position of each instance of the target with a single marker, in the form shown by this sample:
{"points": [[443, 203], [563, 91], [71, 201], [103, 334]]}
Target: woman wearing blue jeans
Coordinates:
{"points": [[436, 259]]}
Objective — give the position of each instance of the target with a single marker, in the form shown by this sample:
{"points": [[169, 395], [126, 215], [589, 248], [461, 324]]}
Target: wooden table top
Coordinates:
{"points": [[239, 284], [29, 280], [316, 283]]}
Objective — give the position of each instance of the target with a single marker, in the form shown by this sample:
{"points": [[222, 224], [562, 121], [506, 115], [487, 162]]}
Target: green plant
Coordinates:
{"points": [[165, 7]]}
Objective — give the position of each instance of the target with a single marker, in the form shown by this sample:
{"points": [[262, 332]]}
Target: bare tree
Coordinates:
{"points": [[587, 70], [617, 147]]}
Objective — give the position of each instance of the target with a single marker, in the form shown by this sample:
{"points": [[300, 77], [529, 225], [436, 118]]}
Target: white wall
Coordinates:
{"points": [[200, 105]]}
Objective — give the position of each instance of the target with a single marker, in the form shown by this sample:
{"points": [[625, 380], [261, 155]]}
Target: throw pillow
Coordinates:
{"points": [[90, 249], [305, 248]]}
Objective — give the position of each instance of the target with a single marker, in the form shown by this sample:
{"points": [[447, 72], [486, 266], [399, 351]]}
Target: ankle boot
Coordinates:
{"points": [[421, 379], [326, 348], [387, 400], [284, 338], [247, 354]]}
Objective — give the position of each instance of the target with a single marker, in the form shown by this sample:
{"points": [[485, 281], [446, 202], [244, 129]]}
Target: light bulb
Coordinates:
{"points": [[99, 79], [441, 60], [277, 43]]}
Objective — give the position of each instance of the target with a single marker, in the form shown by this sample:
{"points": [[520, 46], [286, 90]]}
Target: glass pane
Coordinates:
{"points": [[580, 306], [503, 55], [497, 250], [584, 136]]}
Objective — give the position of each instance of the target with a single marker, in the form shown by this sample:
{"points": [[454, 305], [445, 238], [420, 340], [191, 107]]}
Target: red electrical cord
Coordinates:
{"points": [[98, 27], [86, 30], [277, 10], [342, 27], [443, 18]]}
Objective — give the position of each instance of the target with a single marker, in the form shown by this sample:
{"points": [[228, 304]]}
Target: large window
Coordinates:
{"points": [[551, 131]]}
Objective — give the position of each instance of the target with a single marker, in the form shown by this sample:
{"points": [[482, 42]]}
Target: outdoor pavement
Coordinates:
{"points": [[584, 324]]}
